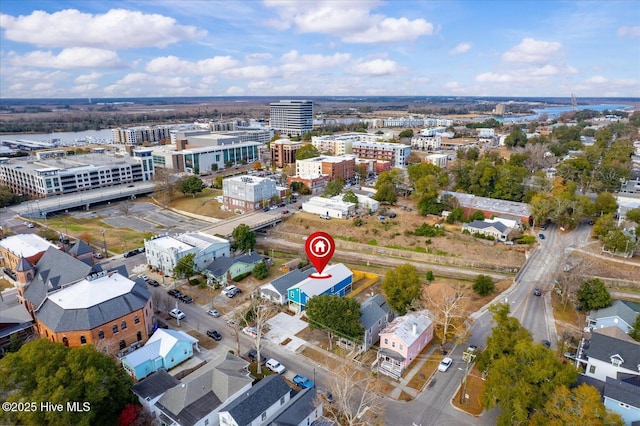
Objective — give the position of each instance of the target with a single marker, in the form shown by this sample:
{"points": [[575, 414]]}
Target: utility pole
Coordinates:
{"points": [[468, 357], [104, 241]]}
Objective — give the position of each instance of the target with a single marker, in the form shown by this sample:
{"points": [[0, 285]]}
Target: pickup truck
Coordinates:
{"points": [[302, 381]]}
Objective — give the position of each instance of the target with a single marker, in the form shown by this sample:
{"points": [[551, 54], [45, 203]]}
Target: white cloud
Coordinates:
{"points": [[598, 79], [257, 57], [116, 29], [519, 75], [251, 72], [88, 78], [532, 50], [294, 62], [73, 57], [175, 65], [352, 21], [461, 48], [235, 91], [22, 75], [629, 32], [85, 89], [375, 68]]}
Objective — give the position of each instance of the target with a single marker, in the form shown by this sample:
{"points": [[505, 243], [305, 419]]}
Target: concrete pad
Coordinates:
{"points": [[282, 327]]}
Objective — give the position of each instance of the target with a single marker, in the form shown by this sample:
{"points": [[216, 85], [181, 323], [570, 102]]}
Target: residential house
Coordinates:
{"points": [[82, 251], [622, 396], [497, 230], [106, 309], [198, 398], [164, 253], [151, 389], [492, 207], [608, 356], [257, 405], [402, 341], [225, 269], [375, 316], [277, 290], [164, 350], [29, 247], [337, 283], [329, 207], [303, 409], [621, 314]]}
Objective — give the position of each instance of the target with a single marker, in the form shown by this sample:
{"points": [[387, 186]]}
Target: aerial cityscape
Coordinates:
{"points": [[321, 213]]}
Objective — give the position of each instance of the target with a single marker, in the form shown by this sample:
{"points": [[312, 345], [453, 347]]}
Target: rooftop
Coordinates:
{"points": [[87, 293], [314, 286], [26, 245], [403, 326]]}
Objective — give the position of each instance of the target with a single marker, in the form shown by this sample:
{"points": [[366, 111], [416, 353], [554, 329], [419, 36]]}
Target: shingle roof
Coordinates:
{"points": [[80, 248], [298, 409], [403, 326], [261, 396], [23, 265], [479, 224], [628, 311], [222, 264], [372, 310], [623, 391], [155, 384], [54, 270], [604, 347], [284, 282]]}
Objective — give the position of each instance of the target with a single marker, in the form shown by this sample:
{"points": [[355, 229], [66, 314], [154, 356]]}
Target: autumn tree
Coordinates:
{"points": [[338, 316], [447, 309], [401, 287]]}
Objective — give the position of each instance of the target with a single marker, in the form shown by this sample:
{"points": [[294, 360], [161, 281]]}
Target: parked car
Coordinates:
{"points": [[229, 289], [97, 255], [381, 218], [173, 292], [285, 211], [537, 292], [177, 313], [253, 356], [153, 283], [302, 381], [232, 292], [29, 225], [186, 299], [250, 331], [472, 349], [324, 216], [213, 313], [144, 277], [445, 364], [392, 215], [214, 335], [541, 236], [131, 253], [266, 209], [275, 366], [547, 344]]}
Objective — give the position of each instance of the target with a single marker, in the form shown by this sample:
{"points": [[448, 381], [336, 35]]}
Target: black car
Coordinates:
{"points": [[153, 283], [175, 293], [214, 335], [186, 299], [252, 355], [131, 253], [392, 215], [537, 292]]}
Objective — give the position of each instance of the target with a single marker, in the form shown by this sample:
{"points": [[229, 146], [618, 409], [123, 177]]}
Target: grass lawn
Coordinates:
{"points": [[474, 388], [204, 203]]}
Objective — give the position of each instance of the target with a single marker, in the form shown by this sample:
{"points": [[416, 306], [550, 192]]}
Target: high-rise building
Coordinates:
{"points": [[291, 117]]}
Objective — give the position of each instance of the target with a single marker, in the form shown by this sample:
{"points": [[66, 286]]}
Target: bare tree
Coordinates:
{"points": [[166, 184], [447, 309], [261, 310], [572, 278], [125, 207], [356, 398]]}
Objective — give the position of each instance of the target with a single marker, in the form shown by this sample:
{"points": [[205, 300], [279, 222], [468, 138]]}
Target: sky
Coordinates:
{"points": [[517, 48]]}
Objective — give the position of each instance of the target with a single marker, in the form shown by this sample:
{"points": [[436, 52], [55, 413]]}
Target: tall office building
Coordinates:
{"points": [[291, 117]]}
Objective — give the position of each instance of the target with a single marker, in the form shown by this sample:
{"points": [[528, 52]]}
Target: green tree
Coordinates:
{"points": [[604, 225], [185, 266], [244, 238], [408, 133], [634, 214], [43, 371], [516, 138], [393, 177], [594, 295], [386, 194], [634, 333], [581, 405], [217, 182], [483, 285], [618, 241], [401, 286], [7, 197], [192, 185], [261, 271], [350, 197], [338, 316], [307, 151], [430, 277], [334, 187], [605, 203]]}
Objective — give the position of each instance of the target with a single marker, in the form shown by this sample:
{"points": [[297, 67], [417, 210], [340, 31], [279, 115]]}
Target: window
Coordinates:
{"points": [[206, 422], [123, 344], [592, 369], [393, 344], [123, 325], [615, 362], [115, 328], [139, 336], [401, 347], [83, 340], [65, 341], [386, 341], [264, 416], [100, 334], [282, 401], [136, 320], [623, 405]]}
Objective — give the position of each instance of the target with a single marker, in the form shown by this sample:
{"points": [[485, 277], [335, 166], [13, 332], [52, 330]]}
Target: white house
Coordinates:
{"points": [[494, 229], [609, 356], [329, 207]]}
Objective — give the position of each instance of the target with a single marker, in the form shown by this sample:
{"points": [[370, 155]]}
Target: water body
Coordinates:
{"points": [[556, 111]]}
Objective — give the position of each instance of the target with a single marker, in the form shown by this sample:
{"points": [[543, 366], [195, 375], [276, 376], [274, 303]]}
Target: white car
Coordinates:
{"points": [[275, 366], [229, 289], [445, 364], [177, 313], [250, 331], [213, 313]]}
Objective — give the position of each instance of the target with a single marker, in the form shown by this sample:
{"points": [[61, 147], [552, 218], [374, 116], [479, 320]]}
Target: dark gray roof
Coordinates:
{"points": [[59, 319], [623, 391], [80, 248], [54, 270], [155, 384], [591, 381], [282, 283], [261, 396], [373, 309], [23, 265], [222, 264], [479, 224], [298, 409], [603, 347]]}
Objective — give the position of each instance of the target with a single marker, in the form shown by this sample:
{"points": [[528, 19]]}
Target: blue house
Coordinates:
{"points": [[339, 283], [622, 396], [165, 349], [621, 314]]}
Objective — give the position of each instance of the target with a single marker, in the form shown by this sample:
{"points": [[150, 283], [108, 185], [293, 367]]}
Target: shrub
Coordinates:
{"points": [[241, 277], [358, 222], [426, 230], [483, 285]]}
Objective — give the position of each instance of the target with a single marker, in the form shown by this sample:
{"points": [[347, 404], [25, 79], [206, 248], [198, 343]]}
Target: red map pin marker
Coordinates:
{"points": [[320, 247]]}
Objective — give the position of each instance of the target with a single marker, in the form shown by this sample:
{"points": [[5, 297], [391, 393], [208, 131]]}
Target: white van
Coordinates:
{"points": [[275, 366]]}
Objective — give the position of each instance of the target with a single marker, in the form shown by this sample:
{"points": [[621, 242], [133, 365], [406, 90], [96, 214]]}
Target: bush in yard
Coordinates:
{"points": [[261, 271], [483, 285]]}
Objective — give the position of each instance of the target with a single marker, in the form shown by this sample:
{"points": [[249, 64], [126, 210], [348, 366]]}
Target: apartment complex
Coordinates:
{"points": [[394, 152], [291, 117], [334, 167], [54, 172], [283, 152], [341, 144], [248, 193], [140, 134]]}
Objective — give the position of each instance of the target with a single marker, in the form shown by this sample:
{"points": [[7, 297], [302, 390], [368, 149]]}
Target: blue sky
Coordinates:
{"points": [[97, 49]]}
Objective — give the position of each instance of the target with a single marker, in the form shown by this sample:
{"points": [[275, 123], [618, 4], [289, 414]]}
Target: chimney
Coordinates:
{"points": [[415, 329]]}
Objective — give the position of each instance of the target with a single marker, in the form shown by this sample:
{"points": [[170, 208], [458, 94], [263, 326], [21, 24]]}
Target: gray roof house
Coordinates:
{"points": [[151, 389], [224, 269], [302, 409], [258, 404], [608, 356], [622, 396], [13, 320], [374, 317], [621, 314], [495, 229], [276, 290], [201, 394]]}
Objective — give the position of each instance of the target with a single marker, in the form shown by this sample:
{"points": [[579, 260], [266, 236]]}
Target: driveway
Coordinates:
{"points": [[284, 326]]}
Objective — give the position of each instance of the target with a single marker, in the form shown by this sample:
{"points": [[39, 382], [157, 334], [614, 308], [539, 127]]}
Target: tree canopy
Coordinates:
{"points": [[594, 295], [261, 271], [350, 197], [192, 185], [44, 371], [386, 193], [634, 333], [334, 187], [185, 266], [339, 316], [402, 286], [483, 285], [243, 238], [307, 151]]}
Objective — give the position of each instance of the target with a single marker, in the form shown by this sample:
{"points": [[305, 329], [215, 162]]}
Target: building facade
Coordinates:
{"points": [[248, 193], [394, 152], [140, 134], [283, 152], [342, 167], [291, 117]]}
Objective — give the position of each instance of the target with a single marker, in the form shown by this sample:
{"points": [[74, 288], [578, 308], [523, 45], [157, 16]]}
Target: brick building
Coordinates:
{"points": [[283, 152], [342, 167]]}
